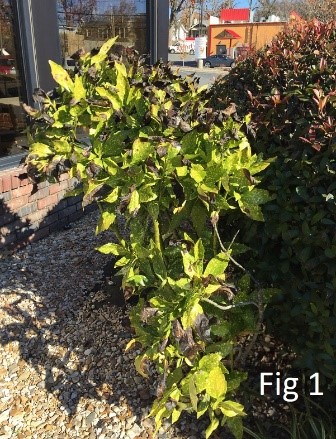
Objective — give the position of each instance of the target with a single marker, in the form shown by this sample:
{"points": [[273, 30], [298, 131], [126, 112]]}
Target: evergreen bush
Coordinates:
{"points": [[289, 89]]}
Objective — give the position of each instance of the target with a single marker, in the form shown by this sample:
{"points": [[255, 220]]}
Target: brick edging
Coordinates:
{"points": [[26, 216]]}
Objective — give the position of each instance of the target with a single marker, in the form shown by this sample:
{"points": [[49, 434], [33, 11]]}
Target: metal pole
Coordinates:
{"points": [[1, 36], [201, 20]]}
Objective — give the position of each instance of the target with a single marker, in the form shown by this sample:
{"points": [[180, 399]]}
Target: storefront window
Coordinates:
{"points": [[12, 117], [86, 24]]}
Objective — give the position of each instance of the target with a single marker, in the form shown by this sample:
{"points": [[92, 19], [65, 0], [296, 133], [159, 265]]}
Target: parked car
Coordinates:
{"points": [[7, 65], [218, 61], [187, 46], [69, 64]]}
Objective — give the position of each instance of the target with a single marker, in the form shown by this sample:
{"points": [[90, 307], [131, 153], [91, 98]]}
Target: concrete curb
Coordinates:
{"points": [[223, 71]]}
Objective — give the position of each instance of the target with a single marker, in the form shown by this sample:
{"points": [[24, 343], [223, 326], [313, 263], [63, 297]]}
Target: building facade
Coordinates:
{"points": [[32, 32], [234, 38]]}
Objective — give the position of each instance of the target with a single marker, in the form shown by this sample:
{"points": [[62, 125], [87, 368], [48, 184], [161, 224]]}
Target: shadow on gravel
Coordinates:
{"points": [[67, 328], [11, 223]]}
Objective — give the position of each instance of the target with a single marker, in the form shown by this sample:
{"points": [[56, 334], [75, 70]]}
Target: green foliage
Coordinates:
{"points": [[157, 155], [311, 422], [289, 90]]}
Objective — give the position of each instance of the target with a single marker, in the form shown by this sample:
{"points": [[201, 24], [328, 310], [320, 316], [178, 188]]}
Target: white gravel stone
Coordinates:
{"points": [[63, 369]]}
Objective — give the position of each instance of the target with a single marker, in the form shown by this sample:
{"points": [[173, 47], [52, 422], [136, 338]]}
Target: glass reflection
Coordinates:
{"points": [[12, 117], [86, 24]]}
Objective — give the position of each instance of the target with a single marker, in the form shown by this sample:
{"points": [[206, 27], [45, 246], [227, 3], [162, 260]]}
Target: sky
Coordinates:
{"points": [[242, 4]]}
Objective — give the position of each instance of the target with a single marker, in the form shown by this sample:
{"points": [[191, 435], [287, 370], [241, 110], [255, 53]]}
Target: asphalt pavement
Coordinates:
{"points": [[188, 65]]}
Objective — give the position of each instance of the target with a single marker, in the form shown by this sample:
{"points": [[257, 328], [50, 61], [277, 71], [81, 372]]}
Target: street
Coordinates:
{"points": [[207, 76]]}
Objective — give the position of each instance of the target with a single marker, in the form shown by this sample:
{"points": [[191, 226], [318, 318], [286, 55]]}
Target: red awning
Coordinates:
{"points": [[239, 14], [227, 34]]}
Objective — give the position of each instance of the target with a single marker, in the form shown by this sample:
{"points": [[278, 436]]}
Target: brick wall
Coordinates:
{"points": [[26, 216]]}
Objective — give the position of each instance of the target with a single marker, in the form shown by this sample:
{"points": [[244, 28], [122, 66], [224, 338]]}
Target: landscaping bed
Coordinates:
{"points": [[63, 367]]}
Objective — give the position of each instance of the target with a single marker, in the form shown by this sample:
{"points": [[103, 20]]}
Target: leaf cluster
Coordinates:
{"points": [[146, 147]]}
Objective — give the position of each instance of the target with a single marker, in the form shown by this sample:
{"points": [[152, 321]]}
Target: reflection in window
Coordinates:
{"points": [[12, 117], [86, 24]]}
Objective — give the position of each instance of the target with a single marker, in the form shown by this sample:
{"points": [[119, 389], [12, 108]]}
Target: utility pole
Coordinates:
{"points": [[1, 43], [201, 18]]}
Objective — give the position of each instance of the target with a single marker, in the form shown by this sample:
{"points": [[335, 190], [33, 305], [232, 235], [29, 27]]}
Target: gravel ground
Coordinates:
{"points": [[64, 372], [63, 369]]}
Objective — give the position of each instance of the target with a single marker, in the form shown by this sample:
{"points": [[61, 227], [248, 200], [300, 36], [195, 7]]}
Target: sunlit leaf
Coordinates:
{"points": [[41, 149], [208, 362], [106, 47], [216, 385], [212, 427], [105, 221], [231, 408], [61, 76], [217, 265], [139, 363], [79, 90], [193, 394], [190, 315], [134, 201]]}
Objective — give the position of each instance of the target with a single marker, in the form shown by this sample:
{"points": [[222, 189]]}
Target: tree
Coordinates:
{"points": [[215, 6], [176, 7], [324, 10], [187, 16], [265, 8], [77, 11], [126, 7]]}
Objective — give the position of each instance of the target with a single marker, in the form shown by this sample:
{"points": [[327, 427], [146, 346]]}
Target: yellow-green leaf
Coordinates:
{"points": [[61, 76], [193, 393], [105, 48], [140, 150], [62, 146], [190, 315], [199, 251], [201, 378], [79, 90], [130, 344], [231, 409], [212, 427], [146, 194], [134, 202], [175, 416], [202, 408], [182, 171], [112, 248], [105, 221], [210, 289], [121, 69], [98, 60], [112, 197], [139, 363], [208, 362], [113, 98], [197, 173], [217, 265], [122, 262], [216, 385], [122, 81], [41, 149]]}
